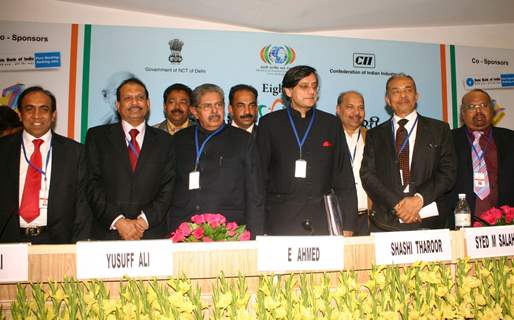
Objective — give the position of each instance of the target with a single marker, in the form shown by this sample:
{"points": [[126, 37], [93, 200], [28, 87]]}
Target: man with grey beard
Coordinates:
{"points": [[217, 167]]}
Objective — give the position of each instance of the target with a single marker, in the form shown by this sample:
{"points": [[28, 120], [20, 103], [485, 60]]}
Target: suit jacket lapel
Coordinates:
{"points": [[14, 166], [418, 161], [147, 150], [117, 139], [390, 152]]}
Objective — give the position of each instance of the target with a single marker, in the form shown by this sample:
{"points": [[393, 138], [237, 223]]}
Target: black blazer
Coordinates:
{"points": [[68, 213], [113, 189], [432, 174], [504, 140], [229, 179], [290, 201]]}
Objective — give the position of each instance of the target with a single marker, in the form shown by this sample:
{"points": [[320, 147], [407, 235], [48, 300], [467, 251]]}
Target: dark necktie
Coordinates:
{"points": [[133, 148], [403, 155], [29, 207]]}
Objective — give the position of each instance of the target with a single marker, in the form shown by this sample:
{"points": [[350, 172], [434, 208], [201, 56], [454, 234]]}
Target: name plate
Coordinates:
{"points": [[115, 259], [411, 246], [14, 262], [490, 241], [299, 253]]}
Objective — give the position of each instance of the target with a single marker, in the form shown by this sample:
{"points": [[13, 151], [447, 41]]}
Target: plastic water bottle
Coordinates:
{"points": [[462, 213]]}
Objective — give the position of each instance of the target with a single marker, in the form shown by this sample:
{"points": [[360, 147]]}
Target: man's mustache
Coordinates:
{"points": [[247, 116], [214, 117], [177, 111]]}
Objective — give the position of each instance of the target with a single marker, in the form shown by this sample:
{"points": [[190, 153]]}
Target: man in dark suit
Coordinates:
{"points": [[130, 171], [42, 196], [217, 167], [409, 163], [242, 107], [493, 186], [304, 156]]}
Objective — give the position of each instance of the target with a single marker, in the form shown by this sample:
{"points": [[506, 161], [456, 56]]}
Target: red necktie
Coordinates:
{"points": [[133, 148], [29, 208], [403, 155]]}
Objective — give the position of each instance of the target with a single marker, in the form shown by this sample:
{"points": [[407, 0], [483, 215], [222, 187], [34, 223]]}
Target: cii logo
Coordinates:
{"points": [[364, 60], [282, 55]]}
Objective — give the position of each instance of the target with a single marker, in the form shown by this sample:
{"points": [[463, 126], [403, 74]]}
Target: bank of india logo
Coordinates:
{"points": [[282, 55], [175, 48]]}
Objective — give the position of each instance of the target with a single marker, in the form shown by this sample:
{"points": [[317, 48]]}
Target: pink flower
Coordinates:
{"points": [[214, 224], [245, 236], [509, 214], [198, 233], [184, 228], [199, 218], [215, 218], [477, 224], [231, 233], [206, 239], [177, 236], [231, 226], [491, 216]]}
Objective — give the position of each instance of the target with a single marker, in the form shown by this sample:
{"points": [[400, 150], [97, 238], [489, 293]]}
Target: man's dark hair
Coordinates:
{"points": [[177, 87], [294, 75], [241, 87], [37, 89], [130, 80], [9, 119]]}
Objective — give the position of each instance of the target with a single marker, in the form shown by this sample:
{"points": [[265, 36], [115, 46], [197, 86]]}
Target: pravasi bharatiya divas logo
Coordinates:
{"points": [[278, 55]]}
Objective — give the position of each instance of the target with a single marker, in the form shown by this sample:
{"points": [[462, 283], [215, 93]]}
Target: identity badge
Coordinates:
{"points": [[300, 169], [194, 180]]}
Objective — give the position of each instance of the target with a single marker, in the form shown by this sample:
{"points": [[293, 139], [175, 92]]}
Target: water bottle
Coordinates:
{"points": [[462, 213]]}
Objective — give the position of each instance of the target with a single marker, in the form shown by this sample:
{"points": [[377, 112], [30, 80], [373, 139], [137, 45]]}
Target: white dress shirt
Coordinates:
{"points": [[355, 144], [45, 149]]}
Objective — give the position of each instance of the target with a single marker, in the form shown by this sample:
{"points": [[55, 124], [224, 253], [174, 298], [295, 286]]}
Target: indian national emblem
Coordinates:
{"points": [[175, 48]]}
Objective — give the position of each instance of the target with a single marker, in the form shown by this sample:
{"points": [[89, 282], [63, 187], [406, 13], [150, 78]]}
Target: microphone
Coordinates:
{"points": [[307, 226]]}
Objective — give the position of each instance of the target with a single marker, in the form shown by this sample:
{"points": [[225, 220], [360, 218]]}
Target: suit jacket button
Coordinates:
{"points": [[197, 208]]}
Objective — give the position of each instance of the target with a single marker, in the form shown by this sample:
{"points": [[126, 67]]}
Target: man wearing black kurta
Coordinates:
{"points": [[303, 156], [217, 167]]}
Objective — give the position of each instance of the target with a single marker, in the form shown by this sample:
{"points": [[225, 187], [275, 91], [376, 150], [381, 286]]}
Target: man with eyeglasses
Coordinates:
{"points": [[217, 167], [304, 156], [408, 165], [485, 156], [176, 105], [130, 171]]}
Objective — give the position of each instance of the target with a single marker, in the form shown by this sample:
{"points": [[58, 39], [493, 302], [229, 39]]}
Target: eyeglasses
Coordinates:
{"points": [[307, 86], [474, 107], [211, 106]]}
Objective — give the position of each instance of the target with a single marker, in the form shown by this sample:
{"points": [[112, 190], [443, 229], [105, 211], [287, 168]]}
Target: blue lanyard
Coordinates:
{"points": [[302, 141], [480, 156], [352, 156], [408, 135], [199, 150], [40, 170]]}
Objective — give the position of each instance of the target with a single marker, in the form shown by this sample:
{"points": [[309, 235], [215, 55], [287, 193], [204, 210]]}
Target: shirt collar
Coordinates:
{"points": [[28, 138], [411, 117], [249, 130], [127, 127], [173, 129]]}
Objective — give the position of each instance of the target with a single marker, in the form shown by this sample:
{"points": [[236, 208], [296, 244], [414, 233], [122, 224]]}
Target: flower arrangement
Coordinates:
{"points": [[209, 227], [496, 217], [482, 289]]}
